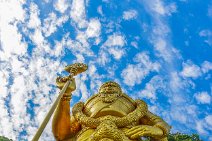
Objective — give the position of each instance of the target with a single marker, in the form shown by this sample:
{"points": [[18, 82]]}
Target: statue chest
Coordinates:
{"points": [[106, 131], [106, 127]]}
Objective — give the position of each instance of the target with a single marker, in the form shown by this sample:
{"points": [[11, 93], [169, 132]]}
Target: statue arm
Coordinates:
{"points": [[156, 121], [63, 124], [150, 125]]}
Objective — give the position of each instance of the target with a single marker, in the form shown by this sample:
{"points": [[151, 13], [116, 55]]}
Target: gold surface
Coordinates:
{"points": [[109, 115]]}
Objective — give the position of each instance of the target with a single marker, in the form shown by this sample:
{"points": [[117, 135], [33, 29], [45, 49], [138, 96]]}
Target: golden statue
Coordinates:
{"points": [[109, 115]]}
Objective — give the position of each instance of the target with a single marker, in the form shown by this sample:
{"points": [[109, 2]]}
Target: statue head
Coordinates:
{"points": [[110, 91]]}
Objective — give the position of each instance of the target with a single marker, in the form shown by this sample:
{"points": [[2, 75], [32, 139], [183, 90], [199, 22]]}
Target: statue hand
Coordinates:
{"points": [[144, 130], [60, 82]]}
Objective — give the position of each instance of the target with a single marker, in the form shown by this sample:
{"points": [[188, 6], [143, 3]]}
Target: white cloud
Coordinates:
{"points": [[203, 98], [78, 46], [178, 116], [130, 14], [151, 88], [204, 126], [6, 128], [94, 28], [97, 78], [115, 40], [4, 79], [10, 38], [99, 10], [78, 13], [110, 26], [80, 58], [206, 66], [18, 102], [204, 33], [178, 96], [191, 70], [83, 88], [24, 78], [50, 26], [35, 23], [134, 74], [134, 44], [114, 45], [51, 23], [38, 38], [82, 43], [61, 5], [82, 39], [208, 120], [34, 20], [160, 8], [58, 49], [116, 52], [12, 49], [171, 8], [207, 34], [161, 46], [160, 36], [176, 83], [103, 57], [200, 128], [144, 59]]}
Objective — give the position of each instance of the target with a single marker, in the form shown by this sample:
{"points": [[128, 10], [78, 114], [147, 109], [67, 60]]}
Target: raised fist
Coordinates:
{"points": [[60, 82]]}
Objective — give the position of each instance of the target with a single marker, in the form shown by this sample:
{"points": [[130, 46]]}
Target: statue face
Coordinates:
{"points": [[110, 88], [109, 91]]}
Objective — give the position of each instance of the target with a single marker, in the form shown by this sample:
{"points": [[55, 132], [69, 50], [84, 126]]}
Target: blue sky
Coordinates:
{"points": [[157, 50]]}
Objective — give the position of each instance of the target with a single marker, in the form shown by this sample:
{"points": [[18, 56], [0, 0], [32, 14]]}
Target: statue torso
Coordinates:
{"points": [[109, 115], [102, 121]]}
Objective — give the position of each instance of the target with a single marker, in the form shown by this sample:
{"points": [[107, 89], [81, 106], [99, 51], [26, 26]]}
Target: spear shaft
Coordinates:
{"points": [[51, 111], [73, 69]]}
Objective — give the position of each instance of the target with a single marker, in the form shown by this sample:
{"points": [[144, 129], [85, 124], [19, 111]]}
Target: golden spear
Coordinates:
{"points": [[73, 69]]}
